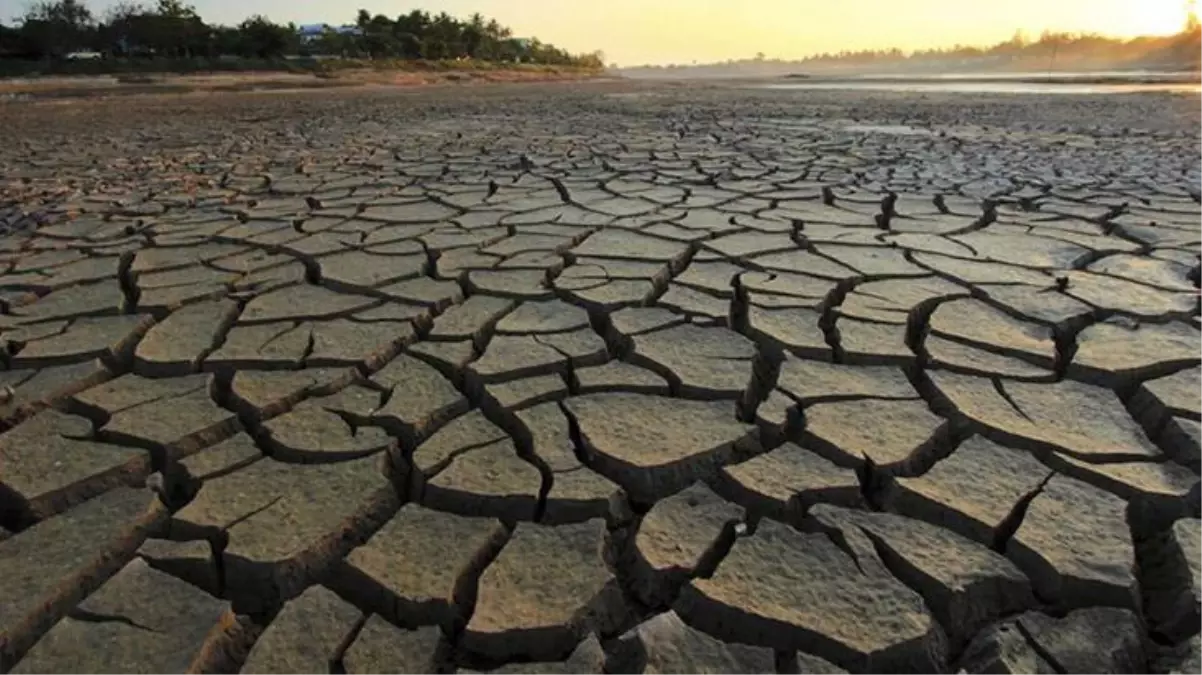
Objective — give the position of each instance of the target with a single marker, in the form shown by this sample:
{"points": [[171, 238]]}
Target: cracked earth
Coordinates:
{"points": [[600, 378]]}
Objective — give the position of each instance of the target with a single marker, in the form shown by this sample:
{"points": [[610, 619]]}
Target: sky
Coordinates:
{"points": [[632, 32]]}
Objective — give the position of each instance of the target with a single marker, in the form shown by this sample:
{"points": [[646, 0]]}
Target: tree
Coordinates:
{"points": [[264, 39]]}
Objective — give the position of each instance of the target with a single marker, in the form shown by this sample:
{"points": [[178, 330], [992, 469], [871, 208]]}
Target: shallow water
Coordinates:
{"points": [[997, 83]]}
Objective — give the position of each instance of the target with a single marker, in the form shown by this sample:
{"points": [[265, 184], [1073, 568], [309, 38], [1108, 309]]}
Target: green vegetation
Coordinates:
{"points": [[64, 37]]}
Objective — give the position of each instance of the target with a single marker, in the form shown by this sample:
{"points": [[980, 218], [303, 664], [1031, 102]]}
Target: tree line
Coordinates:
{"points": [[1051, 49], [53, 29]]}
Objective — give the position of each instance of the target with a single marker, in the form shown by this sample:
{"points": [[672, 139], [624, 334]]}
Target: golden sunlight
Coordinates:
{"points": [[1129, 18]]}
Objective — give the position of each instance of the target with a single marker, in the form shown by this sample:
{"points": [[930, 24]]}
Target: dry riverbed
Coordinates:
{"points": [[564, 377]]}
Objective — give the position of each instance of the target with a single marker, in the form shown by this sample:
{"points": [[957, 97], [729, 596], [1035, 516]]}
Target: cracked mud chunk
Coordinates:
{"points": [[784, 483], [420, 399], [963, 358], [46, 467], [616, 243], [517, 284], [421, 567], [588, 657], [110, 338], [139, 621], [1116, 353], [381, 647], [705, 362], [56, 563], [178, 344], [326, 429], [352, 271], [665, 644], [263, 394], [512, 357], [1182, 440], [1093, 640], [486, 481], [577, 492], [518, 394], [966, 585], [1082, 420], [974, 323], [175, 416], [816, 381], [301, 302], [1075, 545], [1128, 297], [546, 590], [973, 491], [472, 319], [901, 437], [288, 523], [1171, 563], [680, 537], [1003, 648], [1172, 395], [466, 432], [268, 346], [787, 590], [871, 343], [32, 390], [620, 376], [549, 316], [654, 446], [305, 636], [349, 342]]}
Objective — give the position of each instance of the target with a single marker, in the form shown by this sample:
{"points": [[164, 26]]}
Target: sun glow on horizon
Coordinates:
{"points": [[1131, 18]]}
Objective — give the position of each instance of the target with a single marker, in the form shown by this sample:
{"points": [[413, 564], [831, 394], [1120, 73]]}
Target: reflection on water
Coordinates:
{"points": [[949, 85]]}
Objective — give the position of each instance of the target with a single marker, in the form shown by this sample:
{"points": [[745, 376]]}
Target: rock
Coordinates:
{"points": [[1171, 569], [546, 590], [787, 590]]}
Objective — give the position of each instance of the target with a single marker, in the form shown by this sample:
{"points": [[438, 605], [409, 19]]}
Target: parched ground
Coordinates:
{"points": [[573, 378]]}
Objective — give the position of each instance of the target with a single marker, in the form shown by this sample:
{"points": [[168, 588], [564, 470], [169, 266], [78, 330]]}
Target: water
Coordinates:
{"points": [[1007, 83]]}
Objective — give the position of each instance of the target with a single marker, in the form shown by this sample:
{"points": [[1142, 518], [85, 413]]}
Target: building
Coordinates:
{"points": [[312, 31]]}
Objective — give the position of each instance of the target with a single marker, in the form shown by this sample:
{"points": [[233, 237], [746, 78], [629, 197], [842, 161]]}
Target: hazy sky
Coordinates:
{"points": [[665, 31]]}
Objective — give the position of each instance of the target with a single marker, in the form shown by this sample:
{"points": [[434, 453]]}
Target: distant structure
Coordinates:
{"points": [[312, 31]]}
